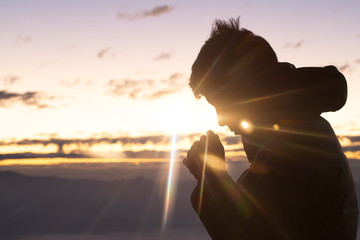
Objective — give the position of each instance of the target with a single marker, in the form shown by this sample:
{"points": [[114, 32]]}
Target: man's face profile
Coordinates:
{"points": [[229, 114]]}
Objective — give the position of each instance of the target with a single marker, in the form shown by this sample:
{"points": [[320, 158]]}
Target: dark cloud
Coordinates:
{"points": [[159, 10], [353, 148], [344, 67], [232, 140], [60, 142], [352, 143], [144, 152], [10, 80], [35, 99], [357, 60], [154, 12], [103, 52], [124, 141], [146, 89], [29, 155], [163, 56], [294, 45], [354, 138], [152, 154]]}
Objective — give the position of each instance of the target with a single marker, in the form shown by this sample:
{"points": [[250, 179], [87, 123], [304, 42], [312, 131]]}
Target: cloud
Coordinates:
{"points": [[75, 83], [152, 154], [159, 10], [10, 80], [23, 38], [354, 138], [350, 145], [357, 60], [353, 148], [344, 67], [232, 140], [294, 45], [154, 146], [33, 98], [127, 142], [69, 84], [27, 155], [60, 142], [163, 56], [146, 89], [103, 52], [154, 12]]}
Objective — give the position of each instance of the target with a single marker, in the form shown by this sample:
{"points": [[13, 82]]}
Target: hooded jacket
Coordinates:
{"points": [[299, 184]]}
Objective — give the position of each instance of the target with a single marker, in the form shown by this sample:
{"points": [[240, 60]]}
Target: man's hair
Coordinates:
{"points": [[231, 58]]}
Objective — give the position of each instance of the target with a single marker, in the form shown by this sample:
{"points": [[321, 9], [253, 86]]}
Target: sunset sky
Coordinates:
{"points": [[109, 79]]}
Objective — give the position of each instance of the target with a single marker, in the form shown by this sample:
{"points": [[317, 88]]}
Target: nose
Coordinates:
{"points": [[221, 120]]}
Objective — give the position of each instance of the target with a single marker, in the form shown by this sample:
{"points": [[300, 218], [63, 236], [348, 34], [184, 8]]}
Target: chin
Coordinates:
{"points": [[235, 131]]}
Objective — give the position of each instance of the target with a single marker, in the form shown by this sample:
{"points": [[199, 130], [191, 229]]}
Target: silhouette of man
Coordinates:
{"points": [[298, 185]]}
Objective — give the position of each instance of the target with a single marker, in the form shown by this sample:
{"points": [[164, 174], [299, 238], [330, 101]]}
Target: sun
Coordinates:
{"points": [[182, 117]]}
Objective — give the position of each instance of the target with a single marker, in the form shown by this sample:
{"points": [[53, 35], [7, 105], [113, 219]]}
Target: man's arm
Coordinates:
{"points": [[223, 206]]}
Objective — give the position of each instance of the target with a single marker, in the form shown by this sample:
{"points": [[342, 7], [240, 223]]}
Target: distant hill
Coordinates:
{"points": [[49, 205]]}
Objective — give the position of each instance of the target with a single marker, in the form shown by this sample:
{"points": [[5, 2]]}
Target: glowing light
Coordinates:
{"points": [[169, 183], [203, 174], [246, 126], [215, 162], [276, 127]]}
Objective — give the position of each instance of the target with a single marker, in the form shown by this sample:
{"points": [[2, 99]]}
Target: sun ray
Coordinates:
{"points": [[169, 188], [203, 174], [269, 96]]}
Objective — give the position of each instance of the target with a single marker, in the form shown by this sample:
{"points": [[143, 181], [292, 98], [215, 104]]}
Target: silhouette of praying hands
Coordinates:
{"points": [[208, 152]]}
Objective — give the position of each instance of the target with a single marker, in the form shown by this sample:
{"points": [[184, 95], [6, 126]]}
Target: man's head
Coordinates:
{"points": [[231, 70]]}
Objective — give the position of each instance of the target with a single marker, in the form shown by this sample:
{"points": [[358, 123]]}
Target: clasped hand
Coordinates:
{"points": [[214, 155]]}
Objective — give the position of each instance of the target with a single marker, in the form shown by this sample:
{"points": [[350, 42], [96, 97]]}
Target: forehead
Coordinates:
{"points": [[223, 103]]}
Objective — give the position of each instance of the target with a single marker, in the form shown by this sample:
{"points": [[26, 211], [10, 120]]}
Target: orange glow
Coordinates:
{"points": [[276, 127], [353, 155], [246, 126], [38, 148]]}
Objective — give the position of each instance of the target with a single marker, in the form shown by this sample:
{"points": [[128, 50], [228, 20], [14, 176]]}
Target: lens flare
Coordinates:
{"points": [[169, 188], [246, 126], [203, 174]]}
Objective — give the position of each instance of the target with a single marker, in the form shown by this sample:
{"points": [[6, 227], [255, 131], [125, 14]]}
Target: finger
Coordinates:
{"points": [[185, 161], [195, 145], [198, 147], [209, 132], [193, 163], [203, 138], [188, 155]]}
